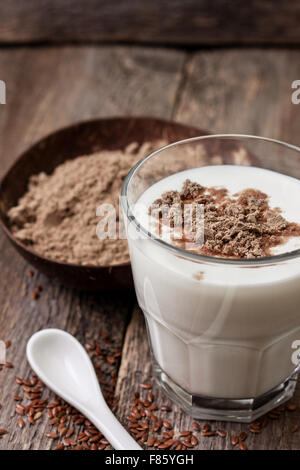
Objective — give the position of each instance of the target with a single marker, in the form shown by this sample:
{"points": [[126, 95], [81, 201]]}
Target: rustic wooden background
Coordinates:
{"points": [[227, 90], [188, 22]]}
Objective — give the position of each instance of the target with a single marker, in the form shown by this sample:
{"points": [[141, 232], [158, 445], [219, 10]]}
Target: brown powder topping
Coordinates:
{"points": [[57, 216], [242, 226]]}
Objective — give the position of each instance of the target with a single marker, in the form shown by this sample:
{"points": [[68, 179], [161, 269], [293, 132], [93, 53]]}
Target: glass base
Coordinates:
{"points": [[225, 409]]}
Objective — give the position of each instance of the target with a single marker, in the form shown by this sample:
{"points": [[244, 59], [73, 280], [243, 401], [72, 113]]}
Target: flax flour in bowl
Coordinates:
{"points": [[40, 197], [57, 218]]}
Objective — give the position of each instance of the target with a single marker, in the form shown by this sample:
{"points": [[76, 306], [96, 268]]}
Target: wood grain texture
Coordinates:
{"points": [[192, 22], [224, 91], [237, 91], [48, 88]]}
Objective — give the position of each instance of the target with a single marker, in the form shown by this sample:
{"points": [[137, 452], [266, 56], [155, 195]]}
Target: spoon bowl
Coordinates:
{"points": [[64, 366]]}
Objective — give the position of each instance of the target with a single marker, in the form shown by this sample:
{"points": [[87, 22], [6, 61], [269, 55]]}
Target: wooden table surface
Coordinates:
{"points": [[225, 90]]}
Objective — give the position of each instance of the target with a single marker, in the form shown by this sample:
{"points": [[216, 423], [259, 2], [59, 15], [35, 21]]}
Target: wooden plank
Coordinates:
{"points": [[193, 22], [230, 91], [49, 88], [242, 91]]}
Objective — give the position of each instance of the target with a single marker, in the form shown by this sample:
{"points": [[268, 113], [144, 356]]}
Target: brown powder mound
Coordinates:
{"points": [[240, 227], [57, 216]]}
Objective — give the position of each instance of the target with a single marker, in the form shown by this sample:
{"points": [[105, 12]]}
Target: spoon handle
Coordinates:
{"points": [[103, 418]]}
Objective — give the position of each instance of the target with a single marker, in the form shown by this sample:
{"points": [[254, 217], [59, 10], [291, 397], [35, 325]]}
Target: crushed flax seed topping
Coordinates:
{"points": [[242, 226]]}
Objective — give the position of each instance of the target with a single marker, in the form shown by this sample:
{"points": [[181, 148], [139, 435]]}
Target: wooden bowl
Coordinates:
{"points": [[81, 139]]}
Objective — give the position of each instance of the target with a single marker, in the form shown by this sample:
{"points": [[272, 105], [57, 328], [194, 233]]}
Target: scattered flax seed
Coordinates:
{"points": [[255, 430], [21, 423], [52, 435], [9, 365], [59, 447], [34, 295], [242, 446], [235, 440], [3, 432], [185, 433], [208, 433], [167, 425], [18, 380], [7, 344], [165, 408], [295, 428], [18, 398], [291, 407], [20, 410], [221, 433], [195, 426], [146, 386], [206, 427], [243, 436]]}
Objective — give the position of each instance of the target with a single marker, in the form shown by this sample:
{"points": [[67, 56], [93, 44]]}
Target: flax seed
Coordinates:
{"points": [[52, 435], [167, 425], [165, 408], [104, 441], [242, 446], [295, 428], [156, 427], [54, 421], [18, 398], [221, 433], [59, 447], [291, 407], [235, 440], [21, 423], [195, 426], [63, 432], [146, 386], [184, 433], [242, 436], [70, 432], [206, 427], [255, 430]]}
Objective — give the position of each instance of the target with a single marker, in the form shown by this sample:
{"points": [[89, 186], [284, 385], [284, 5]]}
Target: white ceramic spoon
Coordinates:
{"points": [[64, 366]]}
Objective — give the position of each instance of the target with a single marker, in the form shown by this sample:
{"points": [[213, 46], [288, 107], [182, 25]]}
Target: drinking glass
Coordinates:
{"points": [[224, 344]]}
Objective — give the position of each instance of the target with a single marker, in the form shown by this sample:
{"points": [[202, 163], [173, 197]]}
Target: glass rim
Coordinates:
{"points": [[197, 257]]}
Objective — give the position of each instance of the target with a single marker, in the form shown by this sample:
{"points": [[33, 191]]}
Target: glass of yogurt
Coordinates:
{"points": [[224, 332]]}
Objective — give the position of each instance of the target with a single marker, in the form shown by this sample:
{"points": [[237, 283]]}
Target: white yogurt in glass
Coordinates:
{"points": [[220, 330]]}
